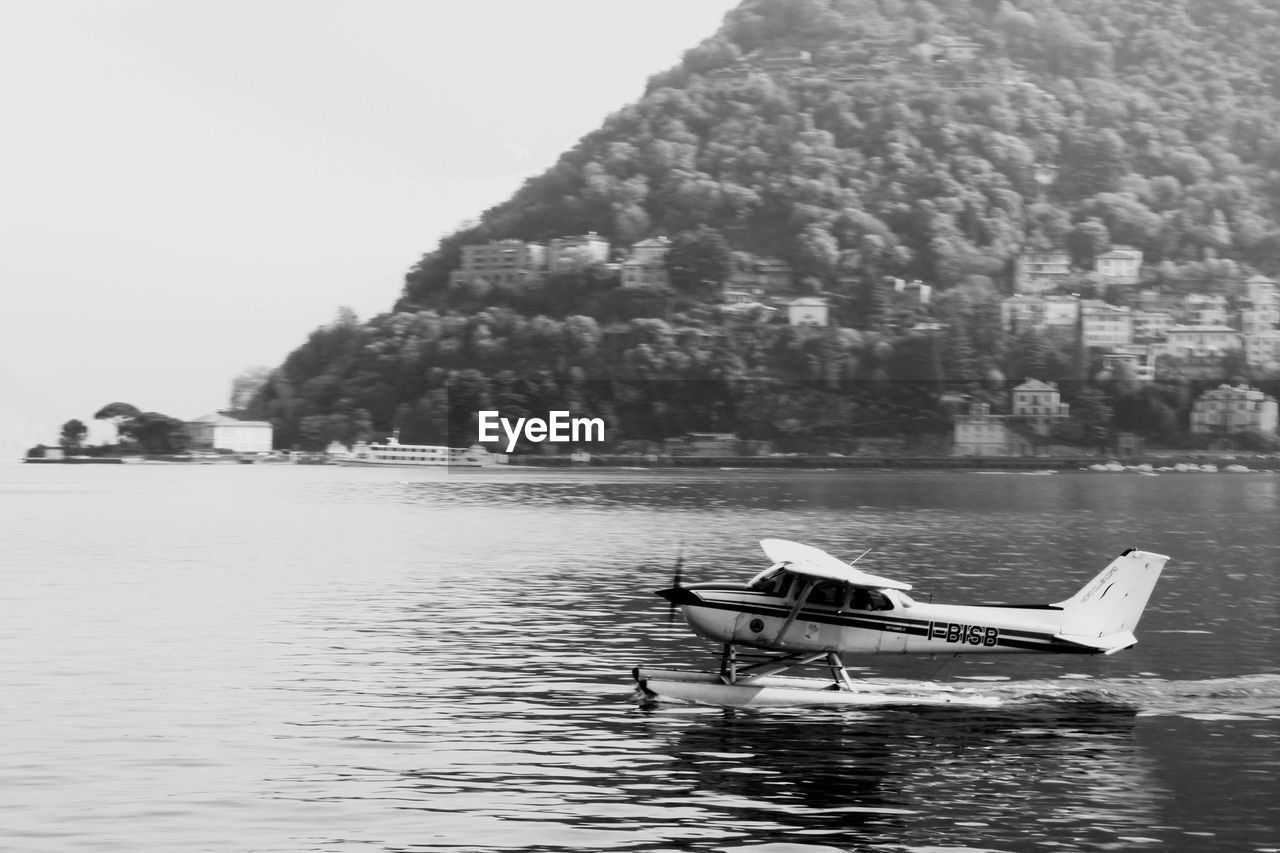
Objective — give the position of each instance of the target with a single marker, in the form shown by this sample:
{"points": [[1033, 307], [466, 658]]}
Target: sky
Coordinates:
{"points": [[189, 187]]}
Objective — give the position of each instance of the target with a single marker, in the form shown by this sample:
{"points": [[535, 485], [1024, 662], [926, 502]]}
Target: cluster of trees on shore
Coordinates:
{"points": [[139, 432], [1161, 120]]}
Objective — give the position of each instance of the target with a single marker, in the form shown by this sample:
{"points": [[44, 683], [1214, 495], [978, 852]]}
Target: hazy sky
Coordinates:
{"points": [[189, 187]]}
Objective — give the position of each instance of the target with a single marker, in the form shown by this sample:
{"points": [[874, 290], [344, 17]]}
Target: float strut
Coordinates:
{"points": [[838, 672], [729, 664]]}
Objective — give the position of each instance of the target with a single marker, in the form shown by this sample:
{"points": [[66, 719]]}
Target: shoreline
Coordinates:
{"points": [[892, 463]]}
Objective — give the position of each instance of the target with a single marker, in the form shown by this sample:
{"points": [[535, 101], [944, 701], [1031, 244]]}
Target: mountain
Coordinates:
{"points": [[854, 140]]}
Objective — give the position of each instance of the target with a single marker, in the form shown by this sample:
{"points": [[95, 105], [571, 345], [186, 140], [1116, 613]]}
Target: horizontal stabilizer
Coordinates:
{"points": [[816, 563], [1109, 644]]}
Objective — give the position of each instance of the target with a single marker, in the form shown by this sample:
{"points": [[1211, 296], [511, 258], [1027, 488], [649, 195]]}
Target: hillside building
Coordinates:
{"points": [[1105, 326], [1183, 341], [1121, 265], [743, 295], [1262, 348], [508, 263], [915, 294], [1263, 295], [1229, 409], [582, 250], [1148, 325], [1199, 309], [1040, 272], [1039, 405], [1021, 313], [1061, 314], [980, 433], [1136, 361], [646, 266], [774, 275], [808, 311]]}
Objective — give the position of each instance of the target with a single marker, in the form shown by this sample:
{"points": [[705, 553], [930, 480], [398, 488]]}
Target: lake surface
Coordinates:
{"points": [[297, 658]]}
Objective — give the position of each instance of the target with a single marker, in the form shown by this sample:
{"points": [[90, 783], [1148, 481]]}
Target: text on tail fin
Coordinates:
{"points": [[1112, 603]]}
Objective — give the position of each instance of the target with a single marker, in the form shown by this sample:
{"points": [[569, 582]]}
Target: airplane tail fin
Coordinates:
{"points": [[1103, 614]]}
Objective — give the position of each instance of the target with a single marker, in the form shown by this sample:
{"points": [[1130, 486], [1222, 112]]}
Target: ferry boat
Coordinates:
{"points": [[394, 453]]}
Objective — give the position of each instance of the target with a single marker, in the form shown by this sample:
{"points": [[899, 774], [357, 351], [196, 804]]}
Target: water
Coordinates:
{"points": [[292, 658]]}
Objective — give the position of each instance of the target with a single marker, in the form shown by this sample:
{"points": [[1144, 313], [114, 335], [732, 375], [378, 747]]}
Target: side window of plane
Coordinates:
{"points": [[827, 594]]}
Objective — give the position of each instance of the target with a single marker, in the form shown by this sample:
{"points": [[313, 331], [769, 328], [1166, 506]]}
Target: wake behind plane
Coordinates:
{"points": [[809, 607]]}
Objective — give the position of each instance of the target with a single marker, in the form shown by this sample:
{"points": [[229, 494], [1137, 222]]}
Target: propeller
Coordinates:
{"points": [[676, 577]]}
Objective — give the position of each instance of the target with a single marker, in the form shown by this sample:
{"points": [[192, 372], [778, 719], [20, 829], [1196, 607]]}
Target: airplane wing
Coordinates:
{"points": [[816, 563]]}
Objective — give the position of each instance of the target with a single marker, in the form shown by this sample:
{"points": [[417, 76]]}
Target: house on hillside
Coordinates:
{"points": [[646, 266], [504, 263], [1262, 348], [773, 275], [1039, 405], [915, 293], [1200, 309], [1021, 313], [808, 311], [1133, 361], [584, 249], [1105, 326], [1182, 341], [1038, 272], [1148, 325], [1263, 295], [1121, 265], [1229, 409], [980, 433]]}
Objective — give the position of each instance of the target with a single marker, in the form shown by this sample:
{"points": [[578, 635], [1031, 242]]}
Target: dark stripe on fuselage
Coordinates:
{"points": [[873, 620]]}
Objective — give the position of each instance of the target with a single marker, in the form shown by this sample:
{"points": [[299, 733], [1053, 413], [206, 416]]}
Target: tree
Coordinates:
{"points": [[118, 412], [818, 253], [246, 385], [156, 433], [699, 261], [73, 434], [1087, 240], [1093, 415]]}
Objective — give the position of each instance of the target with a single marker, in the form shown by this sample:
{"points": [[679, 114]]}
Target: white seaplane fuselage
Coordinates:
{"points": [[891, 622]]}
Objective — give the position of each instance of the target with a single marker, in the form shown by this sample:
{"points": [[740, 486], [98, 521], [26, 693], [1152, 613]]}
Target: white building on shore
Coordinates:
{"points": [[222, 432]]}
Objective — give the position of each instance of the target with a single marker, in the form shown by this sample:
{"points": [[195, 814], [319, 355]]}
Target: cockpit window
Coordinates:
{"points": [[827, 594], [775, 585]]}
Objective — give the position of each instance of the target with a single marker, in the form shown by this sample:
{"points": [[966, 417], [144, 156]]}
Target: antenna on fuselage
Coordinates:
{"points": [[860, 556]]}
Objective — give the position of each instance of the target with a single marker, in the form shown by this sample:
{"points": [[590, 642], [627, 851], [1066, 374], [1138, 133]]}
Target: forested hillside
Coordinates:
{"points": [[856, 140]]}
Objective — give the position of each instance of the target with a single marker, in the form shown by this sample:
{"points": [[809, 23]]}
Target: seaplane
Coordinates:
{"points": [[810, 609]]}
